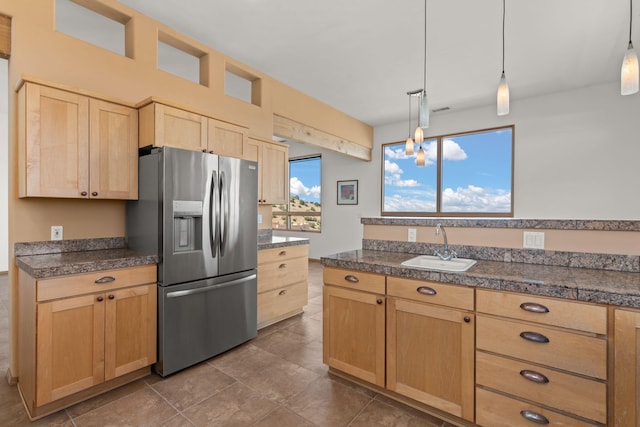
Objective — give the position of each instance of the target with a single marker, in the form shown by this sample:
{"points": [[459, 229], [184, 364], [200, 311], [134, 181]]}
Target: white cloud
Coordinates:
{"points": [[402, 203], [407, 183], [451, 150], [397, 153], [297, 188], [475, 199], [392, 168]]}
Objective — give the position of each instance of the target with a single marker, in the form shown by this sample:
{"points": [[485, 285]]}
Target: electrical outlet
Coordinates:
{"points": [[533, 240], [411, 235], [56, 232], [259, 218]]}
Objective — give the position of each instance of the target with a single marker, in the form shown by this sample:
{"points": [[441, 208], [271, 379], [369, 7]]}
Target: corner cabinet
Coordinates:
{"points": [[75, 146], [353, 324], [84, 334], [273, 179], [626, 360]]}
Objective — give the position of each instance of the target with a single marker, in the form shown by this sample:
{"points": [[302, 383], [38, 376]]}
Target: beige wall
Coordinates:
{"points": [[586, 241], [39, 51]]}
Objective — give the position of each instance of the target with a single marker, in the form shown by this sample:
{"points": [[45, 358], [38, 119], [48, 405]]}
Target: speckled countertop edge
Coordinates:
{"points": [[279, 242], [551, 224], [581, 284]]}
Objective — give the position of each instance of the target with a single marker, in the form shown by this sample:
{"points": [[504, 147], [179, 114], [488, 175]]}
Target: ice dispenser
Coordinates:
{"points": [[187, 225]]}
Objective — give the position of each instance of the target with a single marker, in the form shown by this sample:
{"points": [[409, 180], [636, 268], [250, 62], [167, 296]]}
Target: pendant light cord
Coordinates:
{"points": [[503, 20], [630, 18], [410, 128], [425, 46]]}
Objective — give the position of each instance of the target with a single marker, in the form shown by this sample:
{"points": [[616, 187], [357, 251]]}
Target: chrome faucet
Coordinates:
{"points": [[447, 255]]}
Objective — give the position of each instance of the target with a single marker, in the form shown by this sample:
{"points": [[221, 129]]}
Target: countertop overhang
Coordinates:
{"points": [[581, 284]]}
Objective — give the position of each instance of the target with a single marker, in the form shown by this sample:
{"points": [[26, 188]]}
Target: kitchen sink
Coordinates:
{"points": [[432, 262]]}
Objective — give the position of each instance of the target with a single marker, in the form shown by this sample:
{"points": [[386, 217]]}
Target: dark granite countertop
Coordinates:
{"points": [[270, 242], [57, 264], [582, 284]]}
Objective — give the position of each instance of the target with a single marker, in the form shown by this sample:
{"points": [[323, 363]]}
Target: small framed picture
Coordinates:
{"points": [[348, 192]]}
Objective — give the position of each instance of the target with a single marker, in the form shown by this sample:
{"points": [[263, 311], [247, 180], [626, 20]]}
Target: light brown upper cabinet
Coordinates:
{"points": [[227, 139], [273, 161], [75, 146]]}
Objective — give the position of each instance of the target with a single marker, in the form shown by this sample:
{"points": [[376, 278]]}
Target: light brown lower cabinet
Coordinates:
{"points": [[79, 337], [626, 388]]}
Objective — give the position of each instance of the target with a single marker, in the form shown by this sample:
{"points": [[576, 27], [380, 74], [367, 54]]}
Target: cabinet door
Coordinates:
{"points": [[113, 151], [353, 333], [177, 128], [70, 346], [226, 139], [275, 173], [54, 143], [430, 355], [626, 407], [130, 330]]}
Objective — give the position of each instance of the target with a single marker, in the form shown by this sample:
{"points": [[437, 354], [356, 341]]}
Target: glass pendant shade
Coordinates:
{"points": [[420, 157], [629, 75], [419, 136], [408, 147], [423, 121], [503, 96]]}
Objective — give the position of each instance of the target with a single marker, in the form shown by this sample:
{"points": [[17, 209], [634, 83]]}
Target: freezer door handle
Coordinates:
{"points": [[224, 208], [213, 229], [186, 292]]}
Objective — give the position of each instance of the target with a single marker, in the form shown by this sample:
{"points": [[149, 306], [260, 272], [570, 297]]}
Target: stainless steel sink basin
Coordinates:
{"points": [[431, 262]]}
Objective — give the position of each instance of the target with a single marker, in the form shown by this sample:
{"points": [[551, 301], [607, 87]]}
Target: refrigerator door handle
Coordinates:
{"points": [[213, 214], [224, 207], [177, 294]]}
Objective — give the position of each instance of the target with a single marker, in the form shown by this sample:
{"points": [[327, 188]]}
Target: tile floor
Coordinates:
{"points": [[277, 379]]}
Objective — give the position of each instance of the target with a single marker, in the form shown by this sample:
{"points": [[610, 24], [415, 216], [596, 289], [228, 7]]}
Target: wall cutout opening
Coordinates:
{"points": [[93, 23], [242, 85], [177, 57]]}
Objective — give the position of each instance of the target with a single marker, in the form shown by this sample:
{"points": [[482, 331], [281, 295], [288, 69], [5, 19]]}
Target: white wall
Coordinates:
{"points": [[577, 156], [4, 165]]}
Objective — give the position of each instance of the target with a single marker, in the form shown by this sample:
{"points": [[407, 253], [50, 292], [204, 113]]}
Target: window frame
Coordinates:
{"points": [[289, 214], [439, 213]]}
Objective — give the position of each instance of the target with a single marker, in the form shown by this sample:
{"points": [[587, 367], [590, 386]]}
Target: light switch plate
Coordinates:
{"points": [[411, 235], [56, 232], [533, 240]]}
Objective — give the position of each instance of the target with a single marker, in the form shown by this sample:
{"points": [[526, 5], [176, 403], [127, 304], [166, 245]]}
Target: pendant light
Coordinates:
{"points": [[408, 146], [420, 157], [629, 75], [503, 87], [423, 121]]}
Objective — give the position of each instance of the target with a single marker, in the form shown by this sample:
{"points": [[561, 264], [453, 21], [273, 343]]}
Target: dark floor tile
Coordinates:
{"points": [[378, 413], [105, 398], [283, 417]]}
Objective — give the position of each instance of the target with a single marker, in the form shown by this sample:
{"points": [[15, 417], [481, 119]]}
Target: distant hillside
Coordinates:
{"points": [[302, 222]]}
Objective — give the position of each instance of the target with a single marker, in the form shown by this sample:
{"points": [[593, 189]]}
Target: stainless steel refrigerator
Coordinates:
{"points": [[198, 212]]}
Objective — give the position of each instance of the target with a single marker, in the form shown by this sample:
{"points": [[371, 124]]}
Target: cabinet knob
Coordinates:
{"points": [[84, 194], [379, 301], [204, 150], [112, 296], [100, 299], [94, 194], [467, 319], [534, 417], [534, 337]]}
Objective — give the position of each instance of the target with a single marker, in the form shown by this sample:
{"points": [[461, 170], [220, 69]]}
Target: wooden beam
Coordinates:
{"points": [[295, 131], [5, 37]]}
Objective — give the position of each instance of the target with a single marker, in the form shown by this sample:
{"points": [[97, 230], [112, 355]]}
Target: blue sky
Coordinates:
{"points": [[476, 175], [305, 180]]}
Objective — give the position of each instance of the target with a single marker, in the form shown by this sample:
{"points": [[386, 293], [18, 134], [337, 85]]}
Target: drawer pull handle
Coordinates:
{"points": [[534, 376], [534, 307], [282, 265], [351, 278], [425, 290], [534, 417], [282, 253], [105, 279], [534, 336], [282, 292]]}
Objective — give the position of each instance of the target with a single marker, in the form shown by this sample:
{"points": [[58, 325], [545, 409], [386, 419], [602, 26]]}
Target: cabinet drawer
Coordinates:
{"points": [[548, 311], [283, 273], [66, 286], [279, 254], [496, 410], [431, 292], [359, 280], [569, 393], [564, 350], [276, 302]]}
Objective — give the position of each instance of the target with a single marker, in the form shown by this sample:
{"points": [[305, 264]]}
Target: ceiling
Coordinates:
{"points": [[362, 56]]}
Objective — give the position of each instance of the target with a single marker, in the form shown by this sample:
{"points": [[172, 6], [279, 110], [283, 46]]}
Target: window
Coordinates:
{"points": [[304, 211], [467, 174]]}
